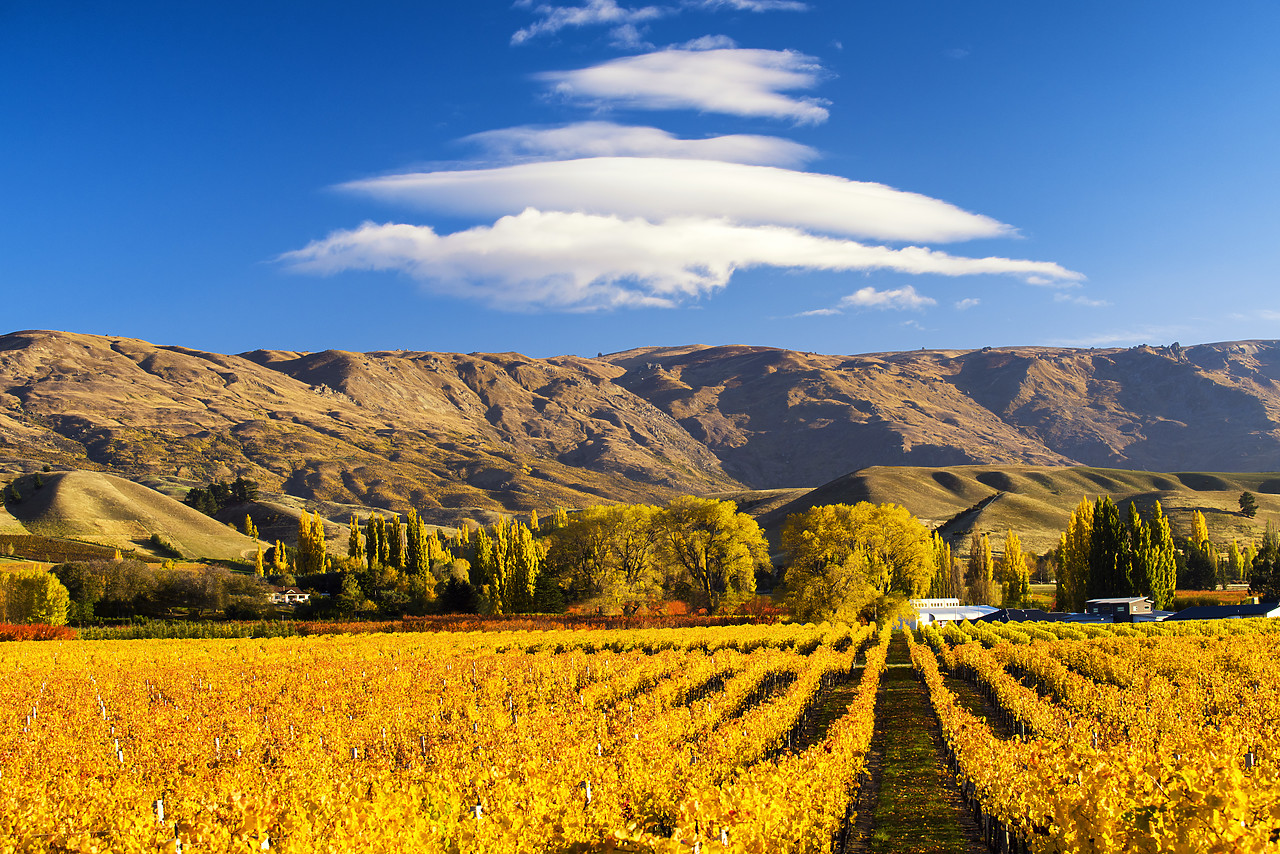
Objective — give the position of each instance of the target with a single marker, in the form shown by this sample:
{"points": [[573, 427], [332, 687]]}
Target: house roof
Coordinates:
{"points": [[1126, 600], [1222, 612]]}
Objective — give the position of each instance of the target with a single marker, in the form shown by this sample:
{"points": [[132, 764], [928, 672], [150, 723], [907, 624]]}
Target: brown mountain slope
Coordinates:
{"points": [[444, 431], [780, 418], [456, 435]]}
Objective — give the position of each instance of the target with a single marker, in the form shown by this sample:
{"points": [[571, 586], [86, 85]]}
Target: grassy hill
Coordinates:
{"points": [[103, 509], [1036, 502]]}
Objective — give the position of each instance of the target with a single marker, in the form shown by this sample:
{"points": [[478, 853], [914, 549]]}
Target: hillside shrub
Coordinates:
{"points": [[165, 546]]}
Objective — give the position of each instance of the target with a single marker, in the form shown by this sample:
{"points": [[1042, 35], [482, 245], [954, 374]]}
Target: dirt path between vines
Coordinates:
{"points": [[911, 803]]}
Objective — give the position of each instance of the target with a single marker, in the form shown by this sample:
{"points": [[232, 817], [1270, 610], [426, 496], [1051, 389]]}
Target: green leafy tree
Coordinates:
{"points": [[715, 549], [395, 543], [859, 555], [416, 560], [1163, 567], [1264, 577], [351, 599], [1234, 564], [608, 554], [1248, 504], [1108, 552], [1201, 556], [835, 591], [1141, 553]]}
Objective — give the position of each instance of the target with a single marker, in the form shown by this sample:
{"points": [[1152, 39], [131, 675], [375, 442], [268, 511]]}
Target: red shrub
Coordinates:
{"points": [[35, 631]]}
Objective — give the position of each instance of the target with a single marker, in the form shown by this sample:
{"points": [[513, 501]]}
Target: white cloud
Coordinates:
{"points": [[707, 43], [553, 19], [626, 33], [606, 139], [899, 299], [581, 261], [628, 37], [1076, 299], [733, 81], [658, 188], [750, 5], [967, 303]]}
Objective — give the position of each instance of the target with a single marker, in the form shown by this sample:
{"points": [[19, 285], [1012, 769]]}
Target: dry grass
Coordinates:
{"points": [[1036, 502], [102, 509]]}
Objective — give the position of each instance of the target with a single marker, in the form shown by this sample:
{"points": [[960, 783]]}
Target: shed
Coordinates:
{"points": [[1270, 610], [1120, 610]]}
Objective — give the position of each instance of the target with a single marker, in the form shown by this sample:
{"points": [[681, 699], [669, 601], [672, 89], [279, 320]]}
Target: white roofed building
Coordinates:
{"points": [[931, 611]]}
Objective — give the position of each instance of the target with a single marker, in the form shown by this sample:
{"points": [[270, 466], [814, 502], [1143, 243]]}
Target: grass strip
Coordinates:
{"points": [[918, 808]]}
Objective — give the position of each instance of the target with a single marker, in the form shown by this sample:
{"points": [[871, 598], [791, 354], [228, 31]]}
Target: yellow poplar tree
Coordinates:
{"points": [[1073, 558], [1199, 529], [1013, 573], [982, 584]]}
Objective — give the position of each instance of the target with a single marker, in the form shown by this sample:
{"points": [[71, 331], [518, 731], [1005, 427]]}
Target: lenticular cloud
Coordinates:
{"points": [[732, 81], [582, 261], [657, 189], [597, 215]]}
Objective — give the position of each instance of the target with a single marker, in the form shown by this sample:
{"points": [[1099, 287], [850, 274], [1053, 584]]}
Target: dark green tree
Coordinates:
{"points": [[1141, 553], [1248, 504], [416, 559], [395, 543], [1108, 552], [1264, 579]]}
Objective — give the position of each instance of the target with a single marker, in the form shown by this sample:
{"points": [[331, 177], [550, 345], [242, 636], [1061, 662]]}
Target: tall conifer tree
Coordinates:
{"points": [[355, 541], [1108, 552], [395, 543], [1141, 553], [1164, 563]]}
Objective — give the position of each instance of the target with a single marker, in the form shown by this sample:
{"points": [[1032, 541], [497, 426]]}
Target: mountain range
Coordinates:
{"points": [[483, 433]]}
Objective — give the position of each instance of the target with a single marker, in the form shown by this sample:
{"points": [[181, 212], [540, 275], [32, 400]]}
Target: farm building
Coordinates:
{"points": [[289, 596], [1270, 610], [1121, 610], [930, 611]]}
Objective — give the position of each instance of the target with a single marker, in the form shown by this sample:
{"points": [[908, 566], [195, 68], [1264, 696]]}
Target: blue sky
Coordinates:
{"points": [[553, 178]]}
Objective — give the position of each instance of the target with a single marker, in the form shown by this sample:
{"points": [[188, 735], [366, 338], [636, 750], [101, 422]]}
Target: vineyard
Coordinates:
{"points": [[726, 738]]}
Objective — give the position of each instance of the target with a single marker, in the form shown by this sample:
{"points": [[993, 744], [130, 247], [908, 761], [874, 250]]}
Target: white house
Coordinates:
{"points": [[288, 596]]}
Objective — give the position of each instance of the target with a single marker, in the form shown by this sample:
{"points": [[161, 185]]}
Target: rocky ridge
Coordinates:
{"points": [[454, 434]]}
